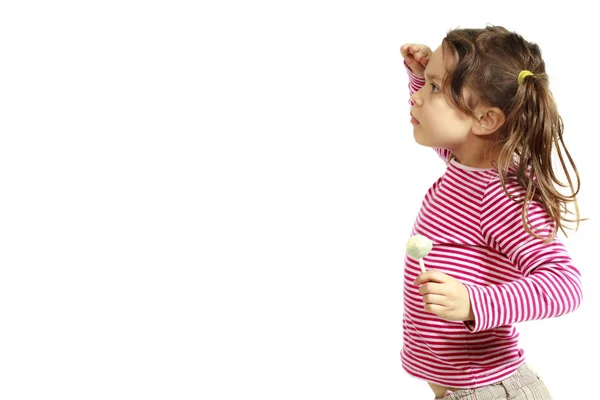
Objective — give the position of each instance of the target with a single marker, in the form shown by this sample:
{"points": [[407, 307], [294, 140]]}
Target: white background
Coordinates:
{"points": [[212, 201]]}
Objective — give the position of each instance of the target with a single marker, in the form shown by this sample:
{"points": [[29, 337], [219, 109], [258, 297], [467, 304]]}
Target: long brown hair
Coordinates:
{"points": [[488, 62]]}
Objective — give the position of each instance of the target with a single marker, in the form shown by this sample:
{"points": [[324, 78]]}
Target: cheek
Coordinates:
{"points": [[439, 115], [442, 113]]}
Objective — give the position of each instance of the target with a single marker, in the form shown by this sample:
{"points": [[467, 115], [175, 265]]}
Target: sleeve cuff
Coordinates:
{"points": [[413, 77], [480, 323]]}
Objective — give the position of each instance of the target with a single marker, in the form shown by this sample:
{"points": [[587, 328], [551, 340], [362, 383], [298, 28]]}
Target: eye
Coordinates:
{"points": [[434, 87]]}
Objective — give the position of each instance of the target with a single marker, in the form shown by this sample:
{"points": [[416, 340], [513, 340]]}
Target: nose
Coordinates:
{"points": [[416, 98]]}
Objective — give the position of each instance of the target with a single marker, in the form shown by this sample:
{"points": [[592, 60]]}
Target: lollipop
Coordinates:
{"points": [[418, 246]]}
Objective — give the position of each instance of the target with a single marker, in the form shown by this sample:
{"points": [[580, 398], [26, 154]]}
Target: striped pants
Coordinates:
{"points": [[524, 384]]}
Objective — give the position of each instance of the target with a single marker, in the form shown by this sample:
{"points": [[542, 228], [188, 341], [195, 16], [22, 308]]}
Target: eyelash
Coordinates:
{"points": [[435, 87]]}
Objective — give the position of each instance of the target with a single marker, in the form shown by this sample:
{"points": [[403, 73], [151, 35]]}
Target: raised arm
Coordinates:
{"points": [[414, 83], [416, 57]]}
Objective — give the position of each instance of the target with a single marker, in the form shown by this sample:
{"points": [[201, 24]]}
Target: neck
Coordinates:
{"points": [[478, 156]]}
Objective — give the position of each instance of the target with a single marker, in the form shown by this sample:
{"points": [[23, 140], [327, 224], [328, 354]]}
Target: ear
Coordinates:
{"points": [[487, 120]]}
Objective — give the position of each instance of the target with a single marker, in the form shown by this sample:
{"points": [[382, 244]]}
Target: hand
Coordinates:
{"points": [[445, 296], [416, 56]]}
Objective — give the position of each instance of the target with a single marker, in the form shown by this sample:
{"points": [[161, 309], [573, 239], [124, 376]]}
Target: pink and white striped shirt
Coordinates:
{"points": [[478, 238]]}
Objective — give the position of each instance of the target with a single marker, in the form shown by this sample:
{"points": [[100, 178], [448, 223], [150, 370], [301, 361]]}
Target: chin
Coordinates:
{"points": [[418, 138]]}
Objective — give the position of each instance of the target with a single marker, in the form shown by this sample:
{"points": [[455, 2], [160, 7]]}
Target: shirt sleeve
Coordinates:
{"points": [[414, 85], [551, 284]]}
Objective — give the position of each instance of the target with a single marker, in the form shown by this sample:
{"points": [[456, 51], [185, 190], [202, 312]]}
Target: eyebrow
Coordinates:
{"points": [[433, 77]]}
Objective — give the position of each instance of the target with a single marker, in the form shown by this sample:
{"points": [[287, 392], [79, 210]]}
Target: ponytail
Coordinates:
{"points": [[532, 128]]}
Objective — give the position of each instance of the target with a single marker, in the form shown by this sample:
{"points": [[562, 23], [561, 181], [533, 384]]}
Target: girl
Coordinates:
{"points": [[485, 107]]}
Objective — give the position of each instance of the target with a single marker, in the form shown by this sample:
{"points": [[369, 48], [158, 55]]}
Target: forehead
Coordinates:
{"points": [[439, 63]]}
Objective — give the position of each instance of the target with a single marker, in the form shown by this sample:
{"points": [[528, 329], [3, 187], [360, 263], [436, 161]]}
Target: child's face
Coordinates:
{"points": [[440, 123]]}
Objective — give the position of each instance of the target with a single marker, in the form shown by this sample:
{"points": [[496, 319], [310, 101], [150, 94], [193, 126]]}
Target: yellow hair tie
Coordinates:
{"points": [[523, 74]]}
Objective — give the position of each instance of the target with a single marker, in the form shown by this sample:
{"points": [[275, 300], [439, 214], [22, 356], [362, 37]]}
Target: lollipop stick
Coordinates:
{"points": [[422, 265]]}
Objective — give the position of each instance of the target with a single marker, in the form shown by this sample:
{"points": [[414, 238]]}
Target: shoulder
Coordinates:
{"points": [[498, 191], [505, 204]]}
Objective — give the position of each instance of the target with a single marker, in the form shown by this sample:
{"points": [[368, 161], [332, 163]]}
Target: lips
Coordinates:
{"points": [[414, 120]]}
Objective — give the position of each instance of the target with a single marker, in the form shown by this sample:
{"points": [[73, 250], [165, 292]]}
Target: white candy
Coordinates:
{"points": [[418, 246]]}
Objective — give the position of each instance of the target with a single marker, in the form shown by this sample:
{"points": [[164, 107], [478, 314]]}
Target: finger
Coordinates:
{"points": [[405, 48], [426, 51], [435, 299], [411, 62], [408, 50], [435, 309], [430, 276], [421, 56], [411, 48], [433, 288]]}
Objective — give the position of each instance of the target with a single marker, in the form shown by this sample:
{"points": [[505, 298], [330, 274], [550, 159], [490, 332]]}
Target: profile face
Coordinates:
{"points": [[437, 122]]}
